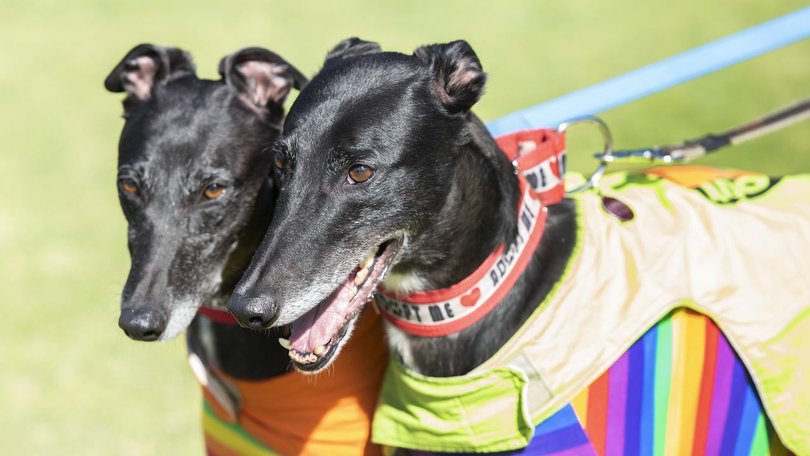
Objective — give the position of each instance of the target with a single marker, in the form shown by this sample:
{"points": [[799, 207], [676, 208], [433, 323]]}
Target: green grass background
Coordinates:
{"points": [[70, 381]]}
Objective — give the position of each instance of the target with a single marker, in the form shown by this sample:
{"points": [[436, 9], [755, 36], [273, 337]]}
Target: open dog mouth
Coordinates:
{"points": [[317, 335]]}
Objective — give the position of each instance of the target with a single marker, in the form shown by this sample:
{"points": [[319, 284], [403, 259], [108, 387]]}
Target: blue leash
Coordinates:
{"points": [[654, 78]]}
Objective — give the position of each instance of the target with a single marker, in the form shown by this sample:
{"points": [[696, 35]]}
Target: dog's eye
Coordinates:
{"points": [[213, 191], [359, 174], [281, 161], [128, 185]]}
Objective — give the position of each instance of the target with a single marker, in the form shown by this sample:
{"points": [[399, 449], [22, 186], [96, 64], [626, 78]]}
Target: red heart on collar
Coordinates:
{"points": [[471, 298]]}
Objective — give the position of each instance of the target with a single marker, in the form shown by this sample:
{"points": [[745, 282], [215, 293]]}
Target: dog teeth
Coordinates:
{"points": [[352, 293], [367, 262], [361, 276], [284, 343], [305, 359], [319, 350]]}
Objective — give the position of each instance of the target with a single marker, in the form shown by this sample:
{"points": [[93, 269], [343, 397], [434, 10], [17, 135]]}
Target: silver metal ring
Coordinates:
{"points": [[607, 154]]}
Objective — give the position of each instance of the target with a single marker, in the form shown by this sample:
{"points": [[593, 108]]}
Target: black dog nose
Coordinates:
{"points": [[253, 312], [142, 324]]}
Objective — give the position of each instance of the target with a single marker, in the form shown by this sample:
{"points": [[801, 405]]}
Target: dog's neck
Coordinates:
{"points": [[482, 214], [478, 215]]}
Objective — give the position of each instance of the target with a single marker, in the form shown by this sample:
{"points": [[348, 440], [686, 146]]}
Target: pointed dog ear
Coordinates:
{"points": [[458, 77], [351, 47], [145, 66], [260, 76]]}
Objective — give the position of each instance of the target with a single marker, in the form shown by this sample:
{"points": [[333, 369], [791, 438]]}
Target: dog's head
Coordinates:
{"points": [[364, 167], [194, 177]]}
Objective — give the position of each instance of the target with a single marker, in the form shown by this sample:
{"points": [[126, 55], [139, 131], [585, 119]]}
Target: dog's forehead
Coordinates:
{"points": [[368, 99], [359, 75], [175, 132]]}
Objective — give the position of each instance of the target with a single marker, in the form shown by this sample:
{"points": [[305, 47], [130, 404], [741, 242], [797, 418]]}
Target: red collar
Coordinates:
{"points": [[217, 315], [539, 156]]}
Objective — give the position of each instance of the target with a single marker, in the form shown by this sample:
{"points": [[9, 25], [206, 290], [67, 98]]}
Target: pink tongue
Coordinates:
{"points": [[322, 322]]}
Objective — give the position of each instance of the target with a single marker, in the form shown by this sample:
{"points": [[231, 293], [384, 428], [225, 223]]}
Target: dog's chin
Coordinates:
{"points": [[179, 319], [318, 336]]}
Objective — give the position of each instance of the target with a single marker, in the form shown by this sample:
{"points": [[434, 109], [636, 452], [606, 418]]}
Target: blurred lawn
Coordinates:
{"points": [[70, 382]]}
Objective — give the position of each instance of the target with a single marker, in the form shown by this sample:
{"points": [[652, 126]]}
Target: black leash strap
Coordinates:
{"points": [[692, 149]]}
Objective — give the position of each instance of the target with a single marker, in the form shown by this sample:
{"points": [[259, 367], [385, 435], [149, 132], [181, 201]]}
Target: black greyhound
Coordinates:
{"points": [[386, 177], [195, 184]]}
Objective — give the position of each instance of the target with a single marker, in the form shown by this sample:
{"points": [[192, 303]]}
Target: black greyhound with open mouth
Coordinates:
{"points": [[195, 182], [386, 177], [388, 182]]}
